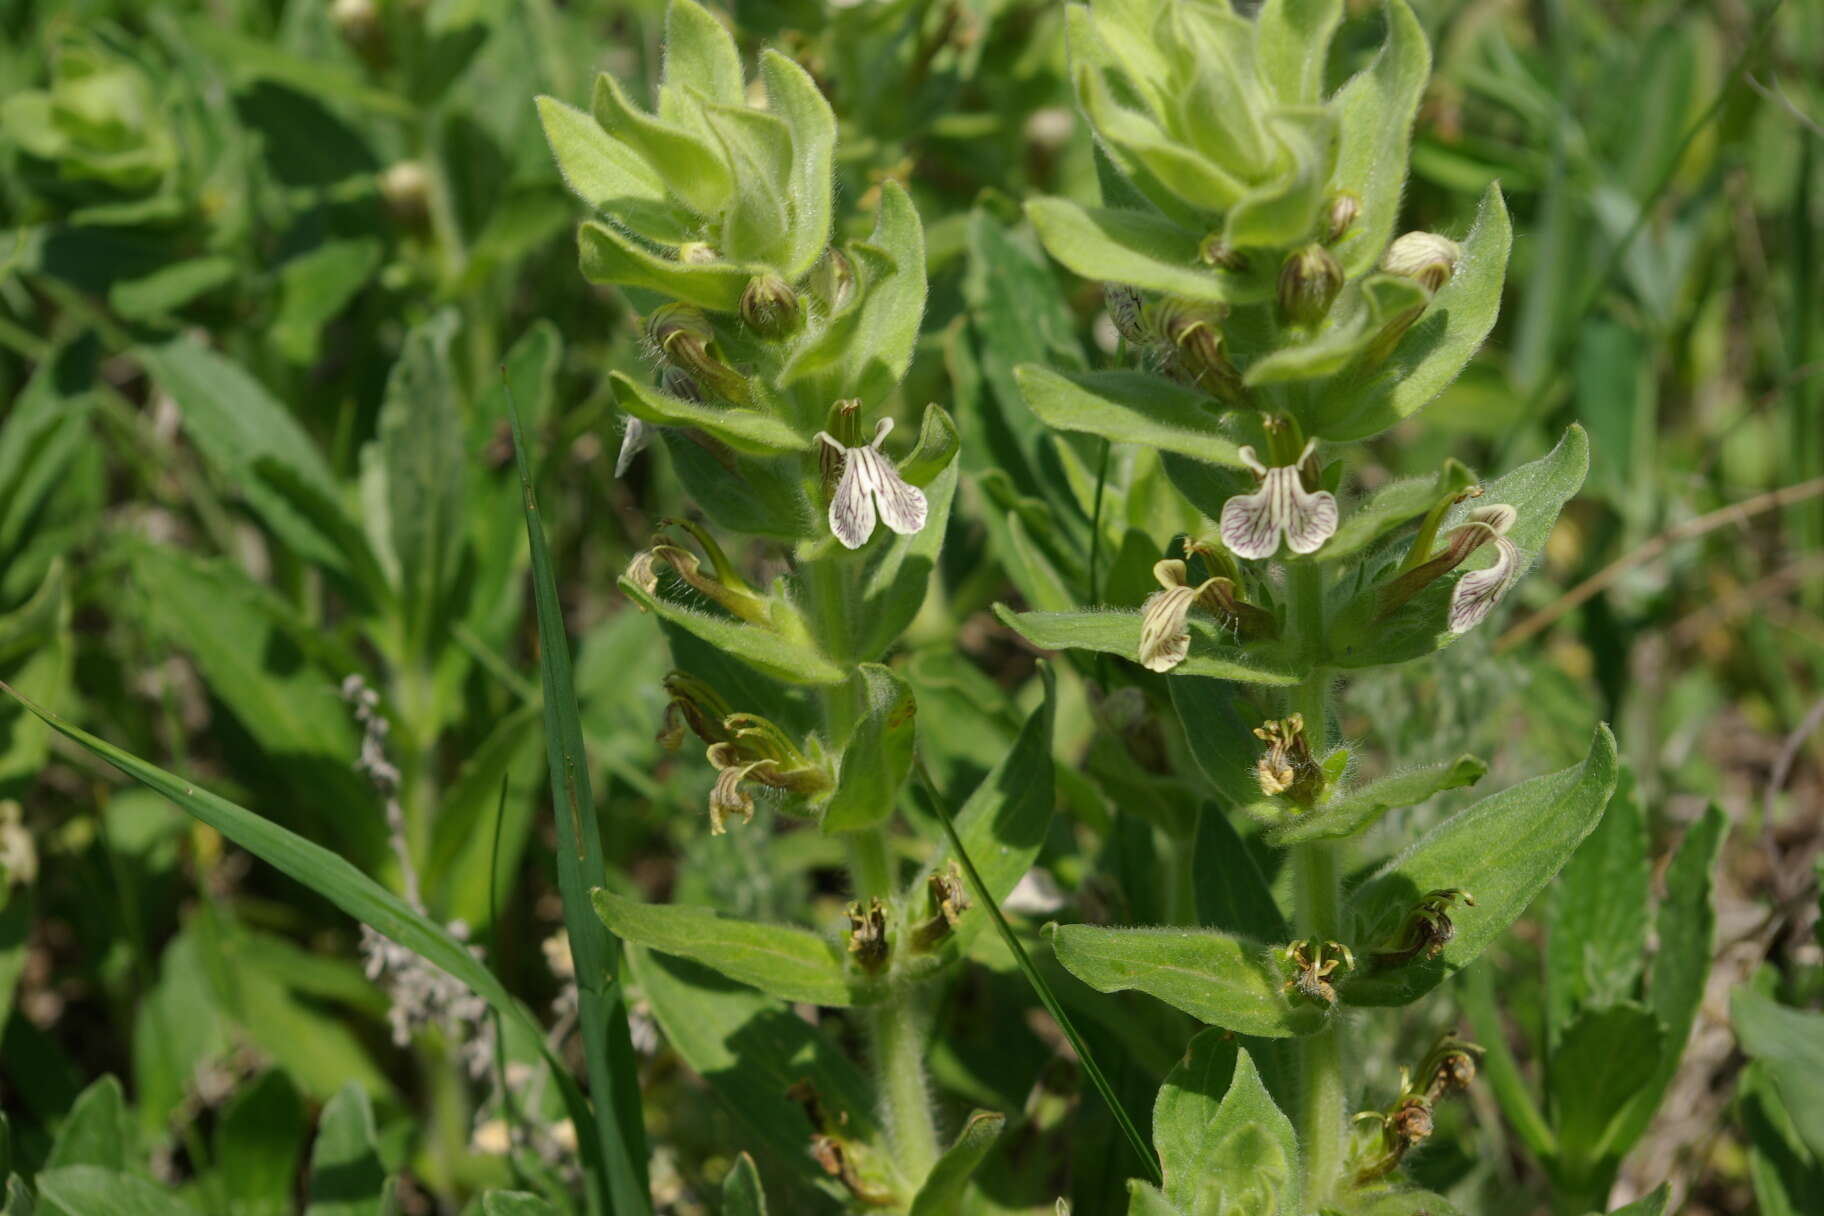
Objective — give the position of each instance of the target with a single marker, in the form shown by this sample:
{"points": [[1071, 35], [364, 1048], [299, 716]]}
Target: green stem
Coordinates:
{"points": [[897, 1027], [1322, 1124], [896, 1034], [870, 864]]}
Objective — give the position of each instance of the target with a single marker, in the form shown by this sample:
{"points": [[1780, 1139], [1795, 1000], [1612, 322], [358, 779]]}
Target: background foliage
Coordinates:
{"points": [[259, 264]]}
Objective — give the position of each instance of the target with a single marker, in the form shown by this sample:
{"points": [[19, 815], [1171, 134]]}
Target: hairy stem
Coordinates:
{"points": [[896, 1039], [1321, 1116], [896, 1028]]}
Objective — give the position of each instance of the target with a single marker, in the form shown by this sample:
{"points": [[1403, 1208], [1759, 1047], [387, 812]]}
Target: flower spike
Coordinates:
{"points": [[1252, 524], [869, 481]]}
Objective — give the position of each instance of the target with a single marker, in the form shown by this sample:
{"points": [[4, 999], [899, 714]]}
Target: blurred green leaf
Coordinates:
{"points": [[752, 1049], [92, 1190], [1605, 1056], [943, 1191], [97, 1131], [346, 1176], [237, 424], [161, 293], [1596, 915], [314, 288], [1790, 1043], [258, 1144], [742, 1194], [1686, 928], [516, 1203], [1231, 893]]}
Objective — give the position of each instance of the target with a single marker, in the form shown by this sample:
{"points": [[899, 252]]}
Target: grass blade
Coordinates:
{"points": [[333, 877], [1144, 1151], [602, 1005]]}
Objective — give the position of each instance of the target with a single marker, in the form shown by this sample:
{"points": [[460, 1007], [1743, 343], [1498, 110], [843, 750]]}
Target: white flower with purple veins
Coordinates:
{"points": [[1477, 592], [1252, 524], [870, 488]]}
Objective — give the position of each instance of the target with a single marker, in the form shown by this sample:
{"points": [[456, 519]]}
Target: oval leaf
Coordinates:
{"points": [[1219, 979], [1502, 850]]}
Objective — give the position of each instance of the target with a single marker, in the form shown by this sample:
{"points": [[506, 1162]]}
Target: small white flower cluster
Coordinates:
{"points": [[422, 995], [18, 855]]}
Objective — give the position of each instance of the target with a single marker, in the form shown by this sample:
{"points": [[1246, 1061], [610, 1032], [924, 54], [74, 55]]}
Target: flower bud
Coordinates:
{"points": [[406, 188], [697, 253], [1219, 253], [1197, 355], [1308, 283], [358, 21], [832, 280], [686, 341], [1423, 256], [700, 706], [770, 307], [1340, 214], [868, 935]]}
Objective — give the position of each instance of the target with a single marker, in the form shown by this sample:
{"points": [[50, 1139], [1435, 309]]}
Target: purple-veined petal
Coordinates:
{"points": [[1477, 592]]}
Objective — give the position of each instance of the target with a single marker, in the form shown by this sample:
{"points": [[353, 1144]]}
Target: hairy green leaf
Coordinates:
{"points": [[1223, 1143], [1129, 407], [753, 1049], [741, 1191], [787, 962], [1118, 633], [1231, 893], [610, 176], [1348, 814], [1134, 248], [1503, 850], [746, 430], [608, 257], [1431, 353], [1291, 40], [1374, 111], [762, 649], [795, 97], [694, 171], [1217, 978], [878, 754], [1390, 506]]}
